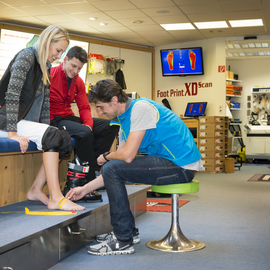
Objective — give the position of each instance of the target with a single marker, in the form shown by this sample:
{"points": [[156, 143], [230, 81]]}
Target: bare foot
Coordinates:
{"points": [[34, 194], [67, 205]]}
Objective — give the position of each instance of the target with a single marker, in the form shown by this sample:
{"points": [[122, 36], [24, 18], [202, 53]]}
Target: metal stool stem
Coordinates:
{"points": [[175, 240]]}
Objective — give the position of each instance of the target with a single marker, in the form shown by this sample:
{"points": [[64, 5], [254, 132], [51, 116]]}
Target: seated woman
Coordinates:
{"points": [[25, 112]]}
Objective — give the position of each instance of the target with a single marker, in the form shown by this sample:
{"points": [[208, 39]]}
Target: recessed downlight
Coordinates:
{"points": [[162, 11], [93, 18], [137, 21]]}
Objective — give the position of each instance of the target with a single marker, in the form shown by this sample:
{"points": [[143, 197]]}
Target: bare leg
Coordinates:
{"points": [[35, 193], [51, 165]]}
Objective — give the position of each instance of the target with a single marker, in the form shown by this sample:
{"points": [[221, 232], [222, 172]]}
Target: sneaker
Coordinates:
{"points": [[104, 237], [111, 247]]}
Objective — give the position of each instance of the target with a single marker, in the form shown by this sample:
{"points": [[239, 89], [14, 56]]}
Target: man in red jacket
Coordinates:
{"points": [[94, 135]]}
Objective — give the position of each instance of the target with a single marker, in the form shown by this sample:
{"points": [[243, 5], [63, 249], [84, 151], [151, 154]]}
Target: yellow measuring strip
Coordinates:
{"points": [[12, 212], [59, 213]]}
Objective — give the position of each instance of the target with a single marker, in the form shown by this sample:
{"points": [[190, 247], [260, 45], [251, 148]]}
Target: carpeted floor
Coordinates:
{"points": [[229, 214], [161, 205]]}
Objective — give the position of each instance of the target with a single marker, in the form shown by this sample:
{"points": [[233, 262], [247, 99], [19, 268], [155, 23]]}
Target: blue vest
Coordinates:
{"points": [[171, 139]]}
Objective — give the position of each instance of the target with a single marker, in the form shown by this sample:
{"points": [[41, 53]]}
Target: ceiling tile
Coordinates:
{"points": [[113, 5], [205, 8], [75, 8], [28, 21], [110, 24], [143, 28], [54, 19], [119, 14], [129, 21], [20, 3], [216, 33], [238, 1], [250, 31], [86, 15], [207, 17], [75, 25], [265, 4], [186, 34], [62, 1], [118, 29], [152, 3], [171, 19], [122, 14], [253, 5], [40, 10], [193, 2], [156, 34], [137, 41], [2, 5], [162, 42], [243, 15], [11, 13], [125, 34], [153, 11]]}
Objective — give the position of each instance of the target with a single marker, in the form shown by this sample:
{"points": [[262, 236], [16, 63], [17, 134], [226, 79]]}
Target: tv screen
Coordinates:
{"points": [[195, 109], [182, 62]]}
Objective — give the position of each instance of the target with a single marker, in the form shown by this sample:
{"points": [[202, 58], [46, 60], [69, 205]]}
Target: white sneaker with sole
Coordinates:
{"points": [[112, 247], [104, 237]]}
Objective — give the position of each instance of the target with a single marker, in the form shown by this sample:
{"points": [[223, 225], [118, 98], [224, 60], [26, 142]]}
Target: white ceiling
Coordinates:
{"points": [[119, 15]]}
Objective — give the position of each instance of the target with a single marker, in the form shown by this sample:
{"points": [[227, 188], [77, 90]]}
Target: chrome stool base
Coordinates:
{"points": [[175, 240], [181, 246]]}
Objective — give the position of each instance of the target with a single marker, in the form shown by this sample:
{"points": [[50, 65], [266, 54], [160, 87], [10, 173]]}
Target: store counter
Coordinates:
{"points": [[257, 141]]}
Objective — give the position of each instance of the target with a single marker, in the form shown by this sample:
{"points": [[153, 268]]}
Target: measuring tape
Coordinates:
{"points": [[40, 213]]}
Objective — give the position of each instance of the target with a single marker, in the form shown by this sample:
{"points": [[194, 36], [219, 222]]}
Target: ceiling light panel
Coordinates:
{"points": [[211, 25], [178, 26], [246, 23]]}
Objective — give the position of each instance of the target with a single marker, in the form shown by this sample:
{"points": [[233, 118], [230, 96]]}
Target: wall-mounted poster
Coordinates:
{"points": [[14, 41], [11, 43]]}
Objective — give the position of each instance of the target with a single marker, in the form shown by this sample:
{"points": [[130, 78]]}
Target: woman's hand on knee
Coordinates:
{"points": [[23, 141]]}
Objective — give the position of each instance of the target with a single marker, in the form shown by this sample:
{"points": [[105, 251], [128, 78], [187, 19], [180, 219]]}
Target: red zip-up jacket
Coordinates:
{"points": [[61, 97]]}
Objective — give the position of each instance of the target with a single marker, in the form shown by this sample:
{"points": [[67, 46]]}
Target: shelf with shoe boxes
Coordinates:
{"points": [[233, 91], [213, 142]]}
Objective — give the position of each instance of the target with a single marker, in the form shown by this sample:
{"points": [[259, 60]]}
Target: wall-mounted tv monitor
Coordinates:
{"points": [[195, 109], [182, 62]]}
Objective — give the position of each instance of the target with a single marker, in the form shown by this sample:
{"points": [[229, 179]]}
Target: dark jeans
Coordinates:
{"points": [[90, 144], [150, 170]]}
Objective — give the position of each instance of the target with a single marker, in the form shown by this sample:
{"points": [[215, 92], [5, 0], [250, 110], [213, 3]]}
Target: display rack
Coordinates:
{"points": [[232, 96]]}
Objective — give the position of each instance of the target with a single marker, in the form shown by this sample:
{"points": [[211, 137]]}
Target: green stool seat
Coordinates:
{"points": [[190, 187], [175, 240]]}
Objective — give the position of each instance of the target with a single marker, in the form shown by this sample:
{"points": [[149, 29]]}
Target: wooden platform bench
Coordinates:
{"points": [[18, 171]]}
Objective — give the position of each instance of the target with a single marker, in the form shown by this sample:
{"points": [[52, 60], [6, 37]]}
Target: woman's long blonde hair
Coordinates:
{"points": [[49, 35]]}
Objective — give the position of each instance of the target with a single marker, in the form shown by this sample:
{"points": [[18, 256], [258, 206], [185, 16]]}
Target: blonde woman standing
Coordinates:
{"points": [[25, 112]]}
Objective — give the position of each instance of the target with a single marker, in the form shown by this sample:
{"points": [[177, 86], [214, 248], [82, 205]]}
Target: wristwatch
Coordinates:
{"points": [[106, 154]]}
